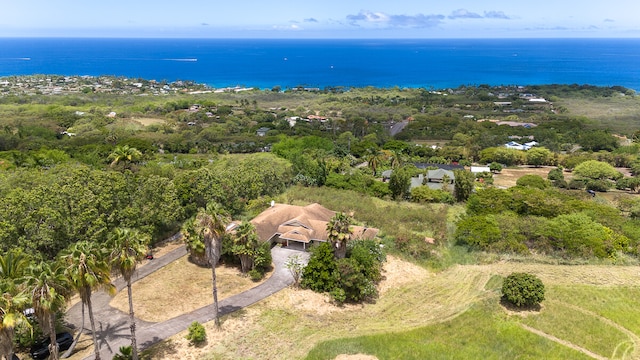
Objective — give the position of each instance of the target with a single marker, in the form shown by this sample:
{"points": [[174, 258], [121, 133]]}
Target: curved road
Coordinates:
{"points": [[112, 325]]}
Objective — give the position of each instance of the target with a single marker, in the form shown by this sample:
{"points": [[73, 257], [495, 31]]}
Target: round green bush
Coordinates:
{"points": [[197, 333], [523, 290]]}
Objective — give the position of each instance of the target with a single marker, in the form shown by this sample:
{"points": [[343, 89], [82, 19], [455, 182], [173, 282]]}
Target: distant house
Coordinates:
{"points": [[301, 226], [386, 175], [516, 146], [439, 176], [262, 131], [480, 169], [450, 167]]}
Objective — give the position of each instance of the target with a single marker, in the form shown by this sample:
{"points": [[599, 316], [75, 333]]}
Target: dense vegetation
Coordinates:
{"points": [[76, 168]]}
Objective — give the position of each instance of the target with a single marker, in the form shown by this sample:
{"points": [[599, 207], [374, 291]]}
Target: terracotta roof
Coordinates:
{"points": [[301, 223]]}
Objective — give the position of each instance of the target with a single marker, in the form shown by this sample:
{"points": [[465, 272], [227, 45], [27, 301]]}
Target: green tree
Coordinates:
{"points": [[538, 156], [339, 233], [495, 167], [321, 273], [13, 301], [463, 184], [212, 222], [87, 269], [47, 285], [530, 180], [596, 170], [374, 158], [128, 248], [522, 289], [245, 244], [125, 155], [400, 183], [13, 298]]}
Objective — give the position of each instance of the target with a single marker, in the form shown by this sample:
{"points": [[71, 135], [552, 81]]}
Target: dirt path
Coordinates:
{"points": [[563, 342], [634, 339]]}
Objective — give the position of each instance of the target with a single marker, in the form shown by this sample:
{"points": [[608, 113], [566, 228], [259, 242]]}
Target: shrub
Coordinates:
{"points": [[125, 353], [495, 167], [255, 274], [197, 333], [321, 273], [535, 181], [523, 290]]}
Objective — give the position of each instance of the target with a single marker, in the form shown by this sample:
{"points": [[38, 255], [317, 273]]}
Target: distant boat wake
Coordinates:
{"points": [[183, 60]]}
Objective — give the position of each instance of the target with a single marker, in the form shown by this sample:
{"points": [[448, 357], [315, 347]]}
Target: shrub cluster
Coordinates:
{"points": [[525, 218], [523, 290], [352, 279]]}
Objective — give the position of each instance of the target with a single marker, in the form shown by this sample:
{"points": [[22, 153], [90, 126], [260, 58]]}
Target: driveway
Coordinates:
{"points": [[112, 325]]}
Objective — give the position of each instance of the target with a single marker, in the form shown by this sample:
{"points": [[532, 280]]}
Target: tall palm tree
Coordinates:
{"points": [[47, 284], [86, 269], [13, 298], [124, 154], [128, 247], [13, 301], [338, 233], [212, 222], [374, 158]]}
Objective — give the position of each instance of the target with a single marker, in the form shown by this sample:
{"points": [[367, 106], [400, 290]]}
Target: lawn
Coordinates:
{"points": [[454, 313], [155, 295]]}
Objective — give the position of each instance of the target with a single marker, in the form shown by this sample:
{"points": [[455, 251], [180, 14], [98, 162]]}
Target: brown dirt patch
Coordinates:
{"points": [[181, 280], [355, 357], [149, 121]]}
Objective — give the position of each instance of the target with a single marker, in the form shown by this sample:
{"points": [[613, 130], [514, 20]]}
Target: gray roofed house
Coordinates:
{"points": [[439, 175]]}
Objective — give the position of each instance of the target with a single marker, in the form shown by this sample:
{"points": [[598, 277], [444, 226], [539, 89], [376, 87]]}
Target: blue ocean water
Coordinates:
{"points": [[264, 63]]}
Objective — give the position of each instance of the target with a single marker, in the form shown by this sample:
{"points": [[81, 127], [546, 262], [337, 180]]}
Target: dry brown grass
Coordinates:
{"points": [[508, 176], [410, 297], [148, 121], [178, 288]]}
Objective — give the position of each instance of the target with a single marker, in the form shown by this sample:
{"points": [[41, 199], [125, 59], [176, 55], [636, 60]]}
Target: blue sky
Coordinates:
{"points": [[320, 19]]}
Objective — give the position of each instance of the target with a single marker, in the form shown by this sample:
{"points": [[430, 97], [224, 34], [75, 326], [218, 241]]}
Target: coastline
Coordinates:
{"points": [[321, 63]]}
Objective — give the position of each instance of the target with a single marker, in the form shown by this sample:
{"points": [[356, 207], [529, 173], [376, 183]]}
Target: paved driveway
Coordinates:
{"points": [[112, 325]]}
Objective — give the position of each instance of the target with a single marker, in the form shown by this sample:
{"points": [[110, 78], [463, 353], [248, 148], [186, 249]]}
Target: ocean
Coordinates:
{"points": [[428, 63]]}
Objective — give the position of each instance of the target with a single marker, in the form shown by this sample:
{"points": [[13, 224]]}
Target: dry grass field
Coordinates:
{"points": [[155, 295], [149, 121], [289, 323]]}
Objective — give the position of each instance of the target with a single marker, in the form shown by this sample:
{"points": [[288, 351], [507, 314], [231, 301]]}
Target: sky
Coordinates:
{"points": [[320, 19]]}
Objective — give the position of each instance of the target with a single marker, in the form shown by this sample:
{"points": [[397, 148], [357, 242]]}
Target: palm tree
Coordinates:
{"points": [[86, 270], [13, 301], [128, 247], [124, 154], [374, 158], [338, 233], [13, 265], [245, 243], [212, 223], [396, 159], [47, 286]]}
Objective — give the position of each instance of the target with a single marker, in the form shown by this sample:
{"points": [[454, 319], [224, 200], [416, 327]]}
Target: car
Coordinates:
{"points": [[40, 350]]}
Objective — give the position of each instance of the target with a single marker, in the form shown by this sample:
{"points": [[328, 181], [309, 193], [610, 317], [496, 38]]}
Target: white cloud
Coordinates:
{"points": [[380, 18], [464, 14], [496, 15]]}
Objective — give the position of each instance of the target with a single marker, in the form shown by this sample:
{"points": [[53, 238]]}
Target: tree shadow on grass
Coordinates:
{"points": [[160, 350], [519, 310]]}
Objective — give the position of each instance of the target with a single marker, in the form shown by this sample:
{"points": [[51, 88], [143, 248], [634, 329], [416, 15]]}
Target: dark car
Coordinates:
{"points": [[40, 350]]}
